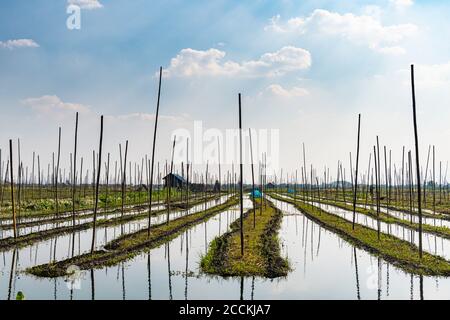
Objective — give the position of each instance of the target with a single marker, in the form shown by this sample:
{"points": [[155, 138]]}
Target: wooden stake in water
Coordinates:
{"points": [[74, 179], [377, 191], [241, 178], [99, 166], [218, 157], [187, 174], [124, 176], [416, 142], [253, 178], [57, 171], [12, 188], [150, 190], [170, 180], [356, 174]]}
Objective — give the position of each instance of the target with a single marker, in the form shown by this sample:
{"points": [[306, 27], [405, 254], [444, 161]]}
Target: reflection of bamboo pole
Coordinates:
{"points": [[99, 164], [11, 274], [92, 285], [12, 188], [416, 140]]}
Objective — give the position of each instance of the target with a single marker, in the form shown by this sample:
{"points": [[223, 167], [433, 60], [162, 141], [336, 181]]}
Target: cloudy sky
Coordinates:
{"points": [[305, 68]]}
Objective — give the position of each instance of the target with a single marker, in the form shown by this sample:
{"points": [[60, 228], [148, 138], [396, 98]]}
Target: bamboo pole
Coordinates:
{"points": [[153, 156], [241, 219], [12, 188], [170, 179], [253, 178], [97, 184], [74, 181], [356, 174], [416, 142], [57, 170]]}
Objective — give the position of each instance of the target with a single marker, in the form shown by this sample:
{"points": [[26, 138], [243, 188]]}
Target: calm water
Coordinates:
{"points": [[324, 267]]}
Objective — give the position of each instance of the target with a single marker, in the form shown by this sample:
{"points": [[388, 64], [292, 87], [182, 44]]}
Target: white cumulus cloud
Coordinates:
{"points": [[278, 90], [190, 62], [18, 43], [429, 75], [52, 103], [400, 4], [361, 29], [86, 4]]}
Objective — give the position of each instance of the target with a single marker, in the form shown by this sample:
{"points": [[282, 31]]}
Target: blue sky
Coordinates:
{"points": [[306, 68]]}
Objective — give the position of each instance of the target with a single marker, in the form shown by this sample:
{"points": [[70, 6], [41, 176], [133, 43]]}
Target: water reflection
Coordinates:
{"points": [[335, 270]]}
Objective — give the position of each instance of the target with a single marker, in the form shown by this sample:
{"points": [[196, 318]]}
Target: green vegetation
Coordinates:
{"points": [[25, 240], [33, 204], [441, 231], [261, 247], [129, 245], [398, 252]]}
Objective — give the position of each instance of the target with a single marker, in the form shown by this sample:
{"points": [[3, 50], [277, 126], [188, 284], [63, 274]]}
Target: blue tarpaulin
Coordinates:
{"points": [[255, 194]]}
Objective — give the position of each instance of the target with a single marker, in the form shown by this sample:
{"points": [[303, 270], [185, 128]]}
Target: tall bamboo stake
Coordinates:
{"points": [[107, 183], [218, 157], [97, 184], [12, 187], [241, 178], [253, 178], [57, 170], [187, 174], [124, 176], [377, 191], [356, 174], [170, 180], [153, 156], [74, 179], [416, 142]]}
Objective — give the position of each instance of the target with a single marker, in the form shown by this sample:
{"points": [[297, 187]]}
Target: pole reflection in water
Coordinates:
{"points": [[253, 288], [358, 295], [92, 285], [149, 271], [379, 278], [330, 274], [11, 274], [186, 270], [124, 296], [421, 287], [242, 289], [387, 280], [169, 271]]}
